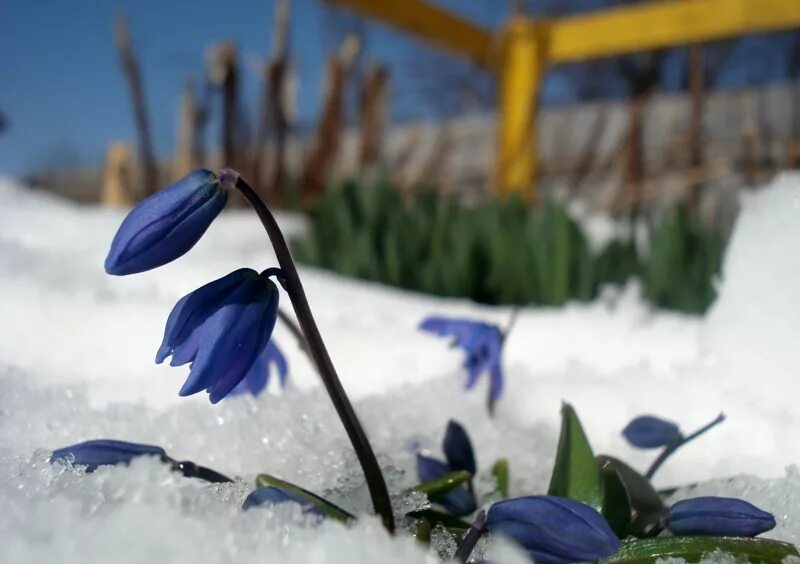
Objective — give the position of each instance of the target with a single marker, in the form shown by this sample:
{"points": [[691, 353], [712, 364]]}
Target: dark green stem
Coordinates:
{"points": [[192, 470], [512, 320], [467, 544], [294, 288], [667, 452], [295, 331]]}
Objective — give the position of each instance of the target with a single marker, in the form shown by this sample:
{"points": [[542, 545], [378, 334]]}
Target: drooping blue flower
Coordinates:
{"points": [[483, 345], [458, 501], [222, 330], [554, 530], [105, 452], [272, 495], [167, 224], [257, 379], [458, 448], [647, 431], [460, 456], [718, 516]]}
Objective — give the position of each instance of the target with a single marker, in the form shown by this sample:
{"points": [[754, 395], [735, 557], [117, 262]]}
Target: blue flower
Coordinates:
{"points": [[258, 377], [718, 516], [105, 452], [166, 225], [460, 456], [458, 501], [483, 345], [553, 529], [647, 431], [272, 495], [222, 330]]}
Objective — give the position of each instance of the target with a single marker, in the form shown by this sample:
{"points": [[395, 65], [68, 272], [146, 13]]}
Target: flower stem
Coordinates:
{"points": [[512, 320], [467, 544], [667, 452], [192, 470], [294, 288], [295, 331]]}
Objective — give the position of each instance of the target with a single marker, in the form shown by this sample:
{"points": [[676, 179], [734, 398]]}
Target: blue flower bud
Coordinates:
{"points": [[222, 329], [104, 452], [718, 516], [647, 431], [458, 448], [458, 501], [273, 495], [166, 225], [553, 529]]}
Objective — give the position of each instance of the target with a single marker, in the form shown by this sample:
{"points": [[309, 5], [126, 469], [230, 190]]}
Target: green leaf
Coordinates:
{"points": [[692, 549], [500, 473], [328, 509], [630, 503], [454, 524], [438, 488], [575, 474], [423, 532]]}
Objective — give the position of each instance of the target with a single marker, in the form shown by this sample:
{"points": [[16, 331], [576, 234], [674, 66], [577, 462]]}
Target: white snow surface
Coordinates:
{"points": [[76, 363]]}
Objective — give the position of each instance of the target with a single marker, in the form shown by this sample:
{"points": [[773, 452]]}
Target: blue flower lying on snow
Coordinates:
{"points": [[483, 345], [104, 452], [222, 329], [166, 225], [647, 431], [273, 495], [460, 456], [718, 516], [552, 529]]}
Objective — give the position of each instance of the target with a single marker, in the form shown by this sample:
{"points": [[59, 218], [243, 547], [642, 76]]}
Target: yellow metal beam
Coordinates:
{"points": [[430, 23], [653, 25], [521, 66]]}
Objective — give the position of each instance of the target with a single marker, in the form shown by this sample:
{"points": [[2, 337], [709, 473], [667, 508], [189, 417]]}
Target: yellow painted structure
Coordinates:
{"points": [[524, 49]]}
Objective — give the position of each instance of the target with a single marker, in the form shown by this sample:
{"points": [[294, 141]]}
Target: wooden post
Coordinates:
{"points": [[274, 110], [131, 69], [186, 153], [326, 144], [118, 176], [224, 73], [522, 64], [374, 97]]}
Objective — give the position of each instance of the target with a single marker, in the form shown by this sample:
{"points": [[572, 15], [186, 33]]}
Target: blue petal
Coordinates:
{"points": [[647, 431], [557, 529], [461, 329], [191, 312], [718, 516], [223, 385], [230, 339], [458, 448], [102, 452], [429, 468], [258, 377], [459, 502], [271, 495], [166, 225]]}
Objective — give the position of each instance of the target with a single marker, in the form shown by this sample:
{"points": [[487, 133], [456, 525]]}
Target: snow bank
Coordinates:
{"points": [[76, 362]]}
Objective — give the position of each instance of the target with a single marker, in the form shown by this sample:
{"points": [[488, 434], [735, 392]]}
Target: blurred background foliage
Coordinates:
{"points": [[504, 252]]}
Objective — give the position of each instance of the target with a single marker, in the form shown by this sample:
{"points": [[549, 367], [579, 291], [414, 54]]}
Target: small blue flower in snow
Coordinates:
{"points": [[166, 225], [554, 530], [647, 431], [222, 330], [460, 456], [271, 495], [718, 516], [104, 452], [483, 345], [258, 377]]}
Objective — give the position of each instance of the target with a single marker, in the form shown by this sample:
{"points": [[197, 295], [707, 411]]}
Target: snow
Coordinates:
{"points": [[76, 362]]}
